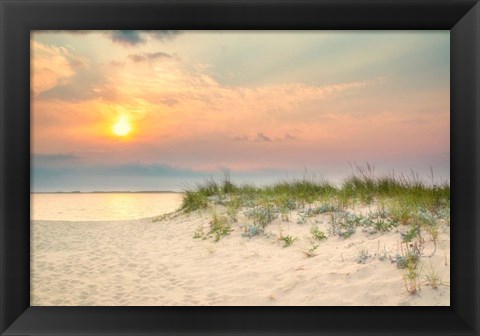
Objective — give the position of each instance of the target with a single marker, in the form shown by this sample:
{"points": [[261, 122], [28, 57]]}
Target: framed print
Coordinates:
{"points": [[263, 206], [234, 167]]}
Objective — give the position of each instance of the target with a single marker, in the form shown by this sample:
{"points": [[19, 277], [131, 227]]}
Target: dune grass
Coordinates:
{"points": [[407, 204], [401, 200], [403, 197]]}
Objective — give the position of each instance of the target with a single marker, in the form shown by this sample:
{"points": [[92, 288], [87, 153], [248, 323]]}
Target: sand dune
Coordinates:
{"points": [[148, 262]]}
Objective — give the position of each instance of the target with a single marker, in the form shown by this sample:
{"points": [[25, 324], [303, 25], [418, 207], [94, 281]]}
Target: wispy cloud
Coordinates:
{"points": [[163, 35], [52, 66], [240, 138], [262, 138], [287, 137], [143, 57]]}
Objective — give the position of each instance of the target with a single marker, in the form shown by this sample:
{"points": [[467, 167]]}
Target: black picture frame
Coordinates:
{"points": [[19, 17]]}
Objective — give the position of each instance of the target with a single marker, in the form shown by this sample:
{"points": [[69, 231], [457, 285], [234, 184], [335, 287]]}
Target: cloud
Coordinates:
{"points": [[259, 137], [287, 137], [169, 101], [262, 138], [127, 37], [163, 35], [144, 57], [240, 138], [193, 102], [87, 83], [52, 66], [136, 37], [117, 64]]}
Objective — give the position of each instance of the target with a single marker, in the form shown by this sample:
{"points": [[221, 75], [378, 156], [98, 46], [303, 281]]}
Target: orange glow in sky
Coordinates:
{"points": [[151, 105]]}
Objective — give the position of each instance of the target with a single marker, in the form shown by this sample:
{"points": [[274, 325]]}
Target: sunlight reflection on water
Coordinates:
{"points": [[93, 207]]}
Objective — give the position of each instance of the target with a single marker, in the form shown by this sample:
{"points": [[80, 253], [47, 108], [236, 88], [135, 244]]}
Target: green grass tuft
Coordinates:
{"points": [[287, 240], [193, 200], [219, 227], [317, 233]]}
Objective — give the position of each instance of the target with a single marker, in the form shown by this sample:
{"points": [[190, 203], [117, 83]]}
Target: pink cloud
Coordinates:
{"points": [[51, 66]]}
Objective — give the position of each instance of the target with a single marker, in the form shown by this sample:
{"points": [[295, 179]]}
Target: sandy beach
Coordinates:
{"points": [[156, 261]]}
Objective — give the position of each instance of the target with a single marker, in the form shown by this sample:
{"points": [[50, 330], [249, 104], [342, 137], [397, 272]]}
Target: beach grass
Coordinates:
{"points": [[405, 204], [402, 197], [288, 240], [412, 207]]}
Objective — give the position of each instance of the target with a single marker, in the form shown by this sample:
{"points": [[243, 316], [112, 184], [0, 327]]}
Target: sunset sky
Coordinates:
{"points": [[161, 110]]}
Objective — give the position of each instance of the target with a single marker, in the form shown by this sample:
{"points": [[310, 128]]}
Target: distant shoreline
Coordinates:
{"points": [[107, 192]]}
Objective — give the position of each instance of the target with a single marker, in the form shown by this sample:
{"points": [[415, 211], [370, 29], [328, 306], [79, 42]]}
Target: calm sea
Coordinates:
{"points": [[105, 206]]}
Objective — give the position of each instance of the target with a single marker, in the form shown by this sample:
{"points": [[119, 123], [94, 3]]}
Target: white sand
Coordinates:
{"points": [[141, 262]]}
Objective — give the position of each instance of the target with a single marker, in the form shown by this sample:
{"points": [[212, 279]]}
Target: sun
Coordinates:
{"points": [[122, 127]]}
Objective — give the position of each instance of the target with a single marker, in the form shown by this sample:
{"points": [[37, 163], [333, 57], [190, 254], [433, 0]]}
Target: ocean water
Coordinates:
{"points": [[98, 207]]}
